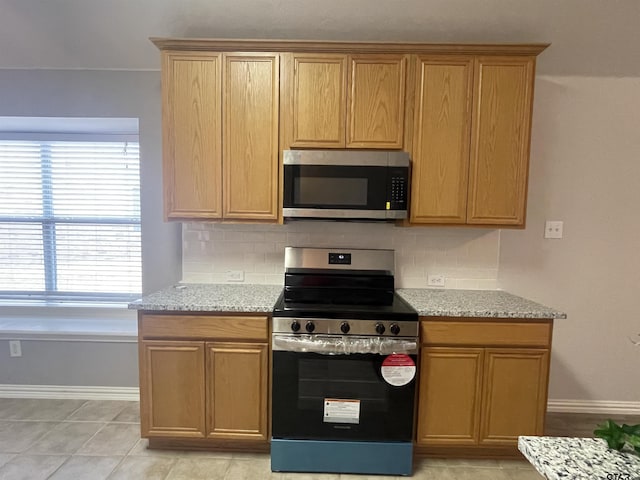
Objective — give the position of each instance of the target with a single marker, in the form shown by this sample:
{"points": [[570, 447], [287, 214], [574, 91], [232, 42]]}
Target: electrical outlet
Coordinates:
{"points": [[553, 229], [435, 280], [234, 276], [15, 349]]}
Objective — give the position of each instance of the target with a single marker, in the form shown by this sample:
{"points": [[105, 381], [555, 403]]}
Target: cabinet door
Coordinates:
{"points": [[514, 394], [172, 389], [319, 100], [191, 123], [376, 101], [449, 396], [500, 140], [442, 132], [250, 136], [237, 391]]}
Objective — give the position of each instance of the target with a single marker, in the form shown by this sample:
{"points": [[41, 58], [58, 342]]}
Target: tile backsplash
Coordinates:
{"points": [[467, 257]]}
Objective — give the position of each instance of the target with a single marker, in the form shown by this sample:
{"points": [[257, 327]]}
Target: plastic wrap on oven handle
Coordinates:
{"points": [[343, 345]]}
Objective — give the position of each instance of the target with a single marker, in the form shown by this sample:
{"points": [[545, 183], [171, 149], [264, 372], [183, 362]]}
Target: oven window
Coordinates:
{"points": [[329, 191], [332, 377]]}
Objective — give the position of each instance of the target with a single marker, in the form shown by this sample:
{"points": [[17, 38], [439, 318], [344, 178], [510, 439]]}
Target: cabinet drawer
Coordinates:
{"points": [[480, 333], [202, 327]]}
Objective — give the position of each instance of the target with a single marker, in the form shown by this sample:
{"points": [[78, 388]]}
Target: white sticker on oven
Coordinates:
{"points": [[337, 410], [398, 369]]}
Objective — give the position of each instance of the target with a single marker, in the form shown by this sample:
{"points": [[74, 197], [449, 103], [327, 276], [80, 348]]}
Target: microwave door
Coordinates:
{"points": [[330, 189]]}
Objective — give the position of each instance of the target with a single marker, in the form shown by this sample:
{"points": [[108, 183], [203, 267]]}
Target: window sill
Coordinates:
{"points": [[16, 302], [68, 323]]}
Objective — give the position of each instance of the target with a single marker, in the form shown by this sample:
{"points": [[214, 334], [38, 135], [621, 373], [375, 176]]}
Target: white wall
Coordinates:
{"points": [[588, 37], [83, 93], [86, 93], [585, 170], [73, 363], [468, 257]]}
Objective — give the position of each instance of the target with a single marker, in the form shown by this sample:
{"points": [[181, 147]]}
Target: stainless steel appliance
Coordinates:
{"points": [[344, 365], [345, 184]]}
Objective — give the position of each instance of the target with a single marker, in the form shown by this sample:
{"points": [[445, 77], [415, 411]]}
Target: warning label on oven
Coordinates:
{"points": [[398, 369], [337, 410]]}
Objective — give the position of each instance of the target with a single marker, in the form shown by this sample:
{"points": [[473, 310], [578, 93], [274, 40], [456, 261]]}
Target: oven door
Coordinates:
{"points": [[341, 396]]}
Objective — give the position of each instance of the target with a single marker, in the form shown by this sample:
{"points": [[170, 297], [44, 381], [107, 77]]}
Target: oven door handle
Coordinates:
{"points": [[343, 345]]}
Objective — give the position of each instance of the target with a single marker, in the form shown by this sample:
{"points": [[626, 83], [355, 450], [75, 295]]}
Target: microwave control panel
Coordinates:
{"points": [[397, 189]]}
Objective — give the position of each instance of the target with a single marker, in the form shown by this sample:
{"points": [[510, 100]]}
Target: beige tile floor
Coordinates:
{"points": [[96, 440]]}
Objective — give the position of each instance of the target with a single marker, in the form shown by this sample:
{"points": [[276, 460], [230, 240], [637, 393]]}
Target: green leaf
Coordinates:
{"points": [[634, 440], [612, 433], [631, 429]]}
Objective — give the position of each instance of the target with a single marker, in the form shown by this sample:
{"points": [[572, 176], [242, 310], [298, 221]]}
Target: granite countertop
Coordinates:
{"points": [[432, 302], [566, 458], [193, 297], [261, 298]]}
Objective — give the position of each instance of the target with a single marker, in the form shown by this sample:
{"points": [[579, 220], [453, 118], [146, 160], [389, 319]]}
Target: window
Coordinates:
{"points": [[70, 219]]}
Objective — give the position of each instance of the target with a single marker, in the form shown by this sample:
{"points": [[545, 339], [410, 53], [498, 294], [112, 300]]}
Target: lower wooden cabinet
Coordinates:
{"points": [[237, 391], [514, 398], [203, 388], [172, 394], [450, 395], [482, 383]]}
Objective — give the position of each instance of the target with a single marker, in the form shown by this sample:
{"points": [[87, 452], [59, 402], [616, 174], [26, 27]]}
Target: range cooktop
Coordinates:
{"points": [[398, 309]]}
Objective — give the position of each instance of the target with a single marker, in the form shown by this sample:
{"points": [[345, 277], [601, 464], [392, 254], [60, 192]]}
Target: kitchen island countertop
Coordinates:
{"points": [[244, 297], [566, 458]]}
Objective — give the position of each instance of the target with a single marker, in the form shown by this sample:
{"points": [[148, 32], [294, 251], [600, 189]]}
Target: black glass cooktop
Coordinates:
{"points": [[394, 309]]}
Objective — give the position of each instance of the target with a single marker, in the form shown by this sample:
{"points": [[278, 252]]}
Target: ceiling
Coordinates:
{"points": [[588, 37]]}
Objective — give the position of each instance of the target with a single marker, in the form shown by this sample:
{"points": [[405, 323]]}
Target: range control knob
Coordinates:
{"points": [[344, 327], [380, 328], [309, 327], [295, 325], [395, 328]]}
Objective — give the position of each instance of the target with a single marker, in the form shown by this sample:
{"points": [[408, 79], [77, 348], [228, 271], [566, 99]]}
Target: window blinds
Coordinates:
{"points": [[70, 220]]}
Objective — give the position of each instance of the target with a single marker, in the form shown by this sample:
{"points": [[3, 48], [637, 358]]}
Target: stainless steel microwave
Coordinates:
{"points": [[345, 184]]}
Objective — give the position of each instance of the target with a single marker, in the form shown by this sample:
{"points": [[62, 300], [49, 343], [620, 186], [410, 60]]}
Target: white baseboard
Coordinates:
{"points": [[69, 392], [594, 406], [133, 394]]}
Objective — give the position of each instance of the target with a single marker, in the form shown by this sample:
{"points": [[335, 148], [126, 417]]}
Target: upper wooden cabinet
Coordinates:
{"points": [[220, 142], [442, 139], [346, 101], [376, 101], [471, 139], [230, 107], [250, 136], [503, 89], [318, 100], [192, 134]]}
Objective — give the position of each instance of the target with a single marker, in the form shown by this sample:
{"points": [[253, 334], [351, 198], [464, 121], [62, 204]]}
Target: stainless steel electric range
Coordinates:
{"points": [[344, 365]]}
